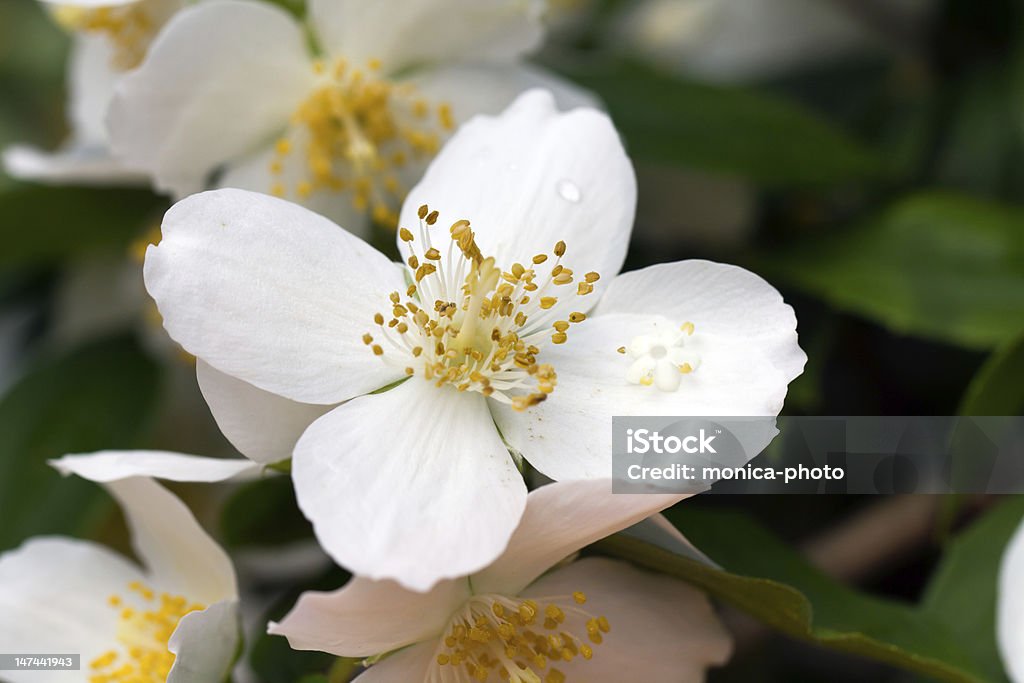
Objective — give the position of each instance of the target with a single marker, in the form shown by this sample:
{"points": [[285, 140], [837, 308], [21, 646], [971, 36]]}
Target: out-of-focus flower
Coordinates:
{"points": [[344, 129], [290, 316], [174, 618], [596, 619], [1010, 608], [109, 38]]}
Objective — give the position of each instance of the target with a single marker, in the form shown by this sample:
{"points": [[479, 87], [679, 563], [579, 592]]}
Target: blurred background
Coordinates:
{"points": [[864, 156]]}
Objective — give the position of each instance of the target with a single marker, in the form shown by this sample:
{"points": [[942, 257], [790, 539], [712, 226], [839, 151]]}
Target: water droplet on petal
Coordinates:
{"points": [[569, 191]]}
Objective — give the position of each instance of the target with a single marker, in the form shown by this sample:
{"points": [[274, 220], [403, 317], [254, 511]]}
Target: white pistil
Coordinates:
{"points": [[661, 358]]}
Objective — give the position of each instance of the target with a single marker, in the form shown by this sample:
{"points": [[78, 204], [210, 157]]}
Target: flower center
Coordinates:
{"points": [[129, 29], [494, 638], [662, 357], [467, 323], [145, 627], [356, 131]]}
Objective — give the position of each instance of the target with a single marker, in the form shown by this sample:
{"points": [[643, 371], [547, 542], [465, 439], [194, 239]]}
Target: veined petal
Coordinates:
{"points": [[220, 79], [109, 466], [180, 556], [561, 518], [1010, 608], [261, 425], [370, 617], [531, 177], [410, 664], [273, 294], [413, 484], [72, 577], [205, 644], [404, 33], [662, 630]]}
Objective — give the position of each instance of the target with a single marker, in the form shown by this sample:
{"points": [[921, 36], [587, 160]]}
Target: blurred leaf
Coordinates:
{"points": [[94, 398], [43, 224], [262, 513], [962, 593], [997, 389], [765, 578], [935, 265], [723, 129]]}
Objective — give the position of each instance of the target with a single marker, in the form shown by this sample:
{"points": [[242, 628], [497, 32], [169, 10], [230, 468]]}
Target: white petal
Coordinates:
{"points": [[531, 177], [205, 644], [662, 630], [721, 300], [413, 484], [220, 78], [370, 617], [406, 666], [89, 3], [53, 598], [406, 33], [179, 554], [109, 466], [261, 425], [69, 166], [91, 80], [560, 519], [272, 294], [657, 530], [1010, 607]]}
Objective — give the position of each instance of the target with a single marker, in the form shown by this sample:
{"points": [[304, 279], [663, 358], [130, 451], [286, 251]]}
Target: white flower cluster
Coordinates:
{"points": [[408, 396]]}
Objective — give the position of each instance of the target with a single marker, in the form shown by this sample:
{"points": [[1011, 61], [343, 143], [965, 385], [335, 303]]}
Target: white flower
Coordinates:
{"points": [[1010, 608], [290, 316], [234, 86], [596, 619], [176, 614], [109, 38]]}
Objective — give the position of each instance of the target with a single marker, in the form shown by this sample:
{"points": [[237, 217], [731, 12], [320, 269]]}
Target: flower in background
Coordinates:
{"points": [[109, 38], [1010, 608], [344, 128], [595, 619], [174, 618], [491, 321]]}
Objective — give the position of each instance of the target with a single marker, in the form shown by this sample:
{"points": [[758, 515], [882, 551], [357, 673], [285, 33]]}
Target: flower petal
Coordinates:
{"points": [[662, 630], [370, 617], [273, 294], [413, 484], [531, 177], [69, 166], [261, 425], [220, 78], [410, 664], [179, 554], [91, 80], [404, 33], [561, 518], [75, 577], [205, 644], [109, 466], [1010, 607]]}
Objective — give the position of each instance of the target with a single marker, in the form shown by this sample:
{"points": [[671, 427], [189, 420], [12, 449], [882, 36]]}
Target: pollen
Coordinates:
{"points": [[143, 633], [470, 324], [495, 638], [129, 28], [354, 133]]}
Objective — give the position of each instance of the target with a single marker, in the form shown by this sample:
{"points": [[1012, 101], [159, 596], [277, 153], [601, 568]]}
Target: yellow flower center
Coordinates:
{"points": [[147, 621], [129, 29], [356, 130], [494, 638], [662, 357], [467, 323]]}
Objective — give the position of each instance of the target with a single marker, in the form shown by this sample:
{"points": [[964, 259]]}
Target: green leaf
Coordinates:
{"points": [[763, 577], [722, 129], [43, 225], [962, 593], [997, 389], [264, 513], [935, 265], [94, 398]]}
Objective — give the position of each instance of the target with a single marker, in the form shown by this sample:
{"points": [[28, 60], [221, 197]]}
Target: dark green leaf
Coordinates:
{"points": [[934, 265], [998, 388], [724, 129], [765, 578], [97, 397], [262, 513]]}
